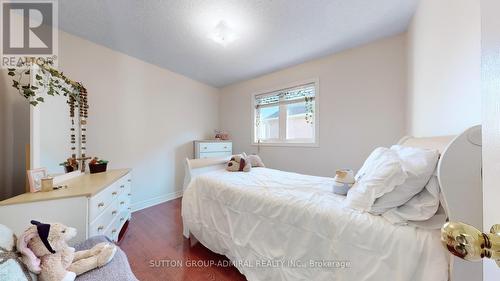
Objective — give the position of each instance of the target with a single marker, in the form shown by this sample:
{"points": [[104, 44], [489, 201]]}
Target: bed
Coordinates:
{"points": [[276, 225]]}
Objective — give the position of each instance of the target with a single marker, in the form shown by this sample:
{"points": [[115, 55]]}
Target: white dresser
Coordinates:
{"points": [[212, 149], [97, 204]]}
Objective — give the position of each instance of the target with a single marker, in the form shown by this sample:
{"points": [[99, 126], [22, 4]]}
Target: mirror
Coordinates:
{"points": [[51, 135], [58, 120]]}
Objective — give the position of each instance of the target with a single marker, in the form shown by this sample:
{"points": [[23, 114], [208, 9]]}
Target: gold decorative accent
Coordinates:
{"points": [[468, 243]]}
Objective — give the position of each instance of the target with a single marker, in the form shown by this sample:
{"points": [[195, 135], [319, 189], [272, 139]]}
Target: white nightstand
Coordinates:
{"points": [[212, 149]]}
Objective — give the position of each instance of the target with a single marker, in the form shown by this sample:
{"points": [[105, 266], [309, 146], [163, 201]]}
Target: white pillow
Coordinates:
{"points": [[419, 164], [381, 172], [421, 207]]}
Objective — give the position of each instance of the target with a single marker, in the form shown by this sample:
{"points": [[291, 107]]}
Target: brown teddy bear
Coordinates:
{"points": [[46, 252], [239, 163]]}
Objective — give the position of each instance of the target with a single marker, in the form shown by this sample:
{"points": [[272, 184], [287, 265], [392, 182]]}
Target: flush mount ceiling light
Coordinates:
{"points": [[223, 34]]}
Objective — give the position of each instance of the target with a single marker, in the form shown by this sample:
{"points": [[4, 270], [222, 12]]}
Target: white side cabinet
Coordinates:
{"points": [[97, 204], [212, 149]]}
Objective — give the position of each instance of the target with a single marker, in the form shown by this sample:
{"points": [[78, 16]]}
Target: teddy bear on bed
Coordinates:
{"points": [[239, 163], [45, 252]]}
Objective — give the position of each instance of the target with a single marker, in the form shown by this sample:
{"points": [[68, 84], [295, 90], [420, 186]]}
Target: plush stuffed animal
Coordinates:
{"points": [[255, 160], [239, 163], [46, 252], [344, 180], [11, 266]]}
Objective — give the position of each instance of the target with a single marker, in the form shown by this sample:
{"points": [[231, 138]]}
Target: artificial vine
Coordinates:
{"points": [[257, 116], [46, 80], [309, 109]]}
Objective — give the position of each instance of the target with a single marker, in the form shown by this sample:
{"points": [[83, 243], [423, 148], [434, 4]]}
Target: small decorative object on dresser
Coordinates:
{"points": [[35, 179], [98, 166], [95, 204], [221, 135], [70, 165], [212, 149], [47, 184]]}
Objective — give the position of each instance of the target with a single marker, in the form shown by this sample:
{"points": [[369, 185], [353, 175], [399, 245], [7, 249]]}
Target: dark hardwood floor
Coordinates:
{"points": [[157, 250]]}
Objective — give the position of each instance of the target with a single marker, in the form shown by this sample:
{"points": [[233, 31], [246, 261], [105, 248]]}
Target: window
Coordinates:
{"points": [[287, 116]]}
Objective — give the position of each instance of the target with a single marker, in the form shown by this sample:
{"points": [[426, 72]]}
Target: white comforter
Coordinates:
{"points": [[277, 225]]}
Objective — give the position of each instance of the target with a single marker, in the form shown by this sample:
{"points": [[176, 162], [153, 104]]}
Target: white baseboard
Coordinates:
{"points": [[155, 201]]}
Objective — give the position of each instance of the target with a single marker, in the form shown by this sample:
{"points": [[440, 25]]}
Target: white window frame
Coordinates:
{"points": [[282, 127]]}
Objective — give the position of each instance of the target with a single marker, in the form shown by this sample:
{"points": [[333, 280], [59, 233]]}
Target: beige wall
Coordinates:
{"points": [[14, 136], [141, 116], [444, 52], [362, 105]]}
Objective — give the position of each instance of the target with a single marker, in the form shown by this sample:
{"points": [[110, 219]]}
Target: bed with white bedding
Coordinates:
{"points": [[262, 218], [275, 225]]}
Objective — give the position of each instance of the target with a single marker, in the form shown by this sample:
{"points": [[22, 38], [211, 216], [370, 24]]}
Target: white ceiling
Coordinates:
{"points": [[274, 34]]}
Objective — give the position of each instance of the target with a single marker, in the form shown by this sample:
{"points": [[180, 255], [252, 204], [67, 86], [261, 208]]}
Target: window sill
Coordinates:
{"points": [[287, 144]]}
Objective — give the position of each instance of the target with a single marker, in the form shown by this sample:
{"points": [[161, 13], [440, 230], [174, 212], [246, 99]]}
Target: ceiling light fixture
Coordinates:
{"points": [[223, 34]]}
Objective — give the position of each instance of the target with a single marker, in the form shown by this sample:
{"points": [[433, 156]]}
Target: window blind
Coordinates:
{"points": [[286, 96]]}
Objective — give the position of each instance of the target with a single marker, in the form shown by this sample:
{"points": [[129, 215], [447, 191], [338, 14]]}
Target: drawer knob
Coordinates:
{"points": [[122, 219], [130, 194], [122, 186], [129, 208], [129, 180], [114, 212], [205, 147], [113, 231], [100, 205], [225, 147], [123, 202], [114, 193], [100, 228]]}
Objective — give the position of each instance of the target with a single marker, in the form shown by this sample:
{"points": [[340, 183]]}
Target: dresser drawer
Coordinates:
{"points": [[215, 147], [123, 201], [123, 184], [114, 229], [98, 203], [204, 155], [104, 220]]}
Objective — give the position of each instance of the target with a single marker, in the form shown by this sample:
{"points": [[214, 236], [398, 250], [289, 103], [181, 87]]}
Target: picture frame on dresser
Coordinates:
{"points": [[35, 177]]}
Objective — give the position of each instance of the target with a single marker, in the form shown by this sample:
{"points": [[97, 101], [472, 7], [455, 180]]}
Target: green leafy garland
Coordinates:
{"points": [[309, 109], [47, 80]]}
